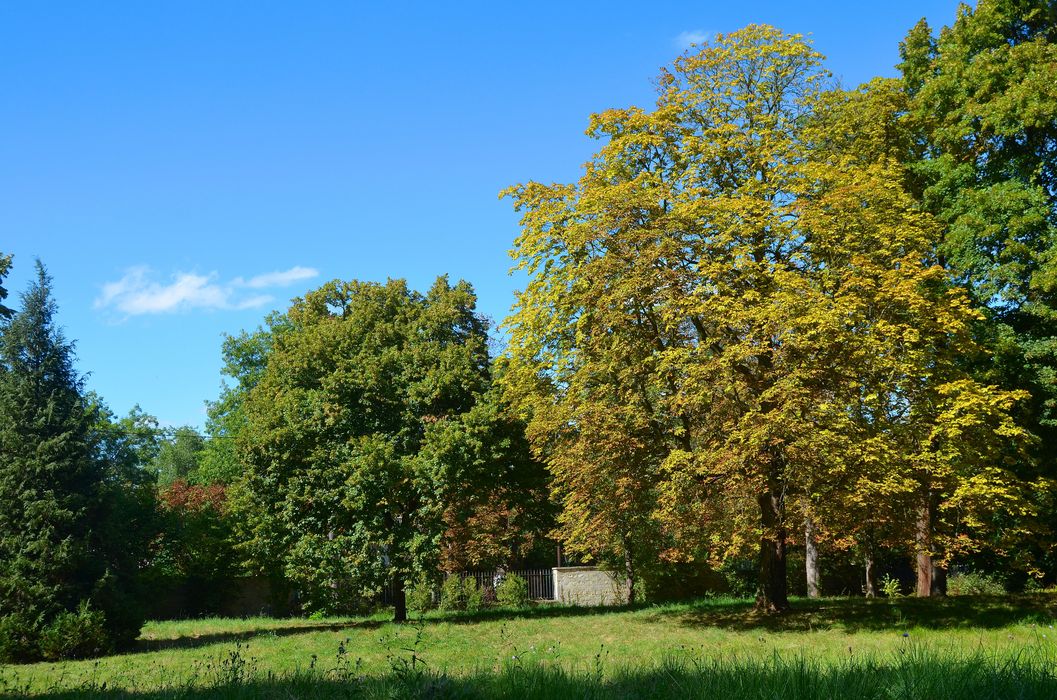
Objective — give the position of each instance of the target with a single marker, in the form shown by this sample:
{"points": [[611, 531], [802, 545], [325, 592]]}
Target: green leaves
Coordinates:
{"points": [[360, 431]]}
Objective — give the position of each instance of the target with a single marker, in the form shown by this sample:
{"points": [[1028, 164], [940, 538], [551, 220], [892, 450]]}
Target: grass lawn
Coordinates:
{"points": [[959, 647]]}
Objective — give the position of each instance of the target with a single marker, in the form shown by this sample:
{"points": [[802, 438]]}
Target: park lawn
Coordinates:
{"points": [[601, 643]]}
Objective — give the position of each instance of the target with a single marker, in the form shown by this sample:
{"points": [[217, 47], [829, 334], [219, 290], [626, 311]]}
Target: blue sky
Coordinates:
{"points": [[183, 168]]}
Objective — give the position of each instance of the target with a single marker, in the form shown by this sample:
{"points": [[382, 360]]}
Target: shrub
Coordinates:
{"points": [[75, 635], [420, 596], [19, 638], [890, 587], [512, 591], [458, 593], [974, 583]]}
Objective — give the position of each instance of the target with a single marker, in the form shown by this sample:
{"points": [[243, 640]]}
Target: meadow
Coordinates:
{"points": [[1002, 646]]}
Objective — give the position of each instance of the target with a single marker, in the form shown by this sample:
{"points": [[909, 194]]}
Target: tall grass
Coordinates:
{"points": [[913, 672]]}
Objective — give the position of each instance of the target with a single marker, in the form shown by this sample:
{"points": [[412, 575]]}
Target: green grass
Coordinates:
{"points": [[960, 647]]}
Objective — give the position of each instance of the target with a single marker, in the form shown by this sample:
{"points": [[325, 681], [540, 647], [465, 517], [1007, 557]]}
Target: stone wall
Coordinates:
{"points": [[587, 585]]}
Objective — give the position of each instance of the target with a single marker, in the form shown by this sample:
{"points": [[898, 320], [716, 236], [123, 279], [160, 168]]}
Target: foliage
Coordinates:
{"points": [[974, 583], [128, 520], [461, 594], [420, 595], [891, 587], [512, 591], [983, 115], [245, 358], [54, 493], [734, 319], [75, 635], [339, 486], [498, 507], [196, 546], [179, 458]]}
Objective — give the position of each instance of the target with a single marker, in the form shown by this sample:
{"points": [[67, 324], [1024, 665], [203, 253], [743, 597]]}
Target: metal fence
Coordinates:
{"points": [[540, 581]]}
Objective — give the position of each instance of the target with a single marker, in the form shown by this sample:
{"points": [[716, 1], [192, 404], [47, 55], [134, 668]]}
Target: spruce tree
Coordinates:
{"points": [[50, 482]]}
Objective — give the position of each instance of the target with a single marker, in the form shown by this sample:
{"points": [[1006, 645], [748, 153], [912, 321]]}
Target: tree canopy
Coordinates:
{"points": [[339, 488], [735, 300]]}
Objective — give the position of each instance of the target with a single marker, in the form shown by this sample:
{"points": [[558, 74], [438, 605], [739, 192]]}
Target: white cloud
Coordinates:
{"points": [[137, 292], [279, 279], [695, 36]]}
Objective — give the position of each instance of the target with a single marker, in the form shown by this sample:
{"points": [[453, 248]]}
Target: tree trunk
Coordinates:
{"points": [[811, 558], [399, 600], [773, 595], [871, 585], [629, 578], [931, 579]]}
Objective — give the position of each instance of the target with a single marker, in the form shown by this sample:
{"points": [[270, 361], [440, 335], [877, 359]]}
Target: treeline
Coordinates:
{"points": [[773, 318]]}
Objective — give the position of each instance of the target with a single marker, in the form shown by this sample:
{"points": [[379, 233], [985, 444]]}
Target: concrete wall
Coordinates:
{"points": [[587, 585]]}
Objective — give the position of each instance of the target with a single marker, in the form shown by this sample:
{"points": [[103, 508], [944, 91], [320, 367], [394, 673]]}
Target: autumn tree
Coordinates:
{"points": [[725, 289], [337, 489]]}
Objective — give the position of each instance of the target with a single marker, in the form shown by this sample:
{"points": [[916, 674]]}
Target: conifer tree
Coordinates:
{"points": [[50, 484]]}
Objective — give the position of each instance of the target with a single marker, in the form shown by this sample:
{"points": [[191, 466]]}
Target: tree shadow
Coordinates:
{"points": [[862, 614], [200, 640], [804, 615]]}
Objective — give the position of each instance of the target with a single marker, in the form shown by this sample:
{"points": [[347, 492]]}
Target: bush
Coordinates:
{"points": [[420, 596], [19, 638], [75, 635], [458, 593], [890, 586], [974, 583], [512, 591]]}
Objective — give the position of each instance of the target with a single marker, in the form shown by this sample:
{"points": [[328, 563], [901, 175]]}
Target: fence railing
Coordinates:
{"points": [[540, 581]]}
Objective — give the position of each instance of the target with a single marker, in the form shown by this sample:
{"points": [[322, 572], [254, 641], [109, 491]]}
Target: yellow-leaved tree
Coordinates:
{"points": [[733, 320]]}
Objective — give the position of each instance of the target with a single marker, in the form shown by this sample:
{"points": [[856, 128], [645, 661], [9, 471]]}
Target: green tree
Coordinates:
{"points": [[983, 111], [50, 482], [335, 488], [126, 519], [179, 457], [245, 358], [495, 506]]}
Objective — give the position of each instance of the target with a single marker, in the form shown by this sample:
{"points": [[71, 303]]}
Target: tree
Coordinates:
{"points": [[195, 546], [335, 487], [245, 358], [670, 254], [51, 486], [496, 507], [126, 520], [179, 458], [735, 295], [983, 113]]}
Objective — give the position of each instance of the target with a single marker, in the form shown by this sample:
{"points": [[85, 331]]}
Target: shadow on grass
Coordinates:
{"points": [[862, 614], [912, 673], [847, 614], [200, 640]]}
